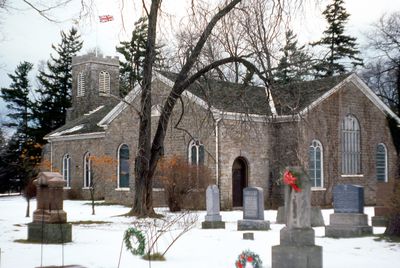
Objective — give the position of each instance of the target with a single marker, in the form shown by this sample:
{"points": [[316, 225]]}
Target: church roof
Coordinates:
{"points": [[295, 97], [84, 124], [228, 96]]}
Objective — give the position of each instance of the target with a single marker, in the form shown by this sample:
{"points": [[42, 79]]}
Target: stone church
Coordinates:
{"points": [[336, 128]]}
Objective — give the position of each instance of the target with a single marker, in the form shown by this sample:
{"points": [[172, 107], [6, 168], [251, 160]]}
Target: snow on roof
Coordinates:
{"points": [[70, 130], [95, 110]]}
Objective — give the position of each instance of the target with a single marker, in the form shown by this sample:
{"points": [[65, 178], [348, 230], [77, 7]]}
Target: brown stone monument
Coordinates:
{"points": [[49, 219], [384, 192]]}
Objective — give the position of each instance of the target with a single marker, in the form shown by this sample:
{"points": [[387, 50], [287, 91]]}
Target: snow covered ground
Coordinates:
{"points": [[99, 245]]}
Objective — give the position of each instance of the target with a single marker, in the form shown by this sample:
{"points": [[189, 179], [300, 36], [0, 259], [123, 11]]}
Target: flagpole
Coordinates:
{"points": [[97, 26]]}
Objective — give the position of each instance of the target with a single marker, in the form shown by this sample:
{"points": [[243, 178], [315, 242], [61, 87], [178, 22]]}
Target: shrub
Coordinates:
{"points": [[180, 180]]}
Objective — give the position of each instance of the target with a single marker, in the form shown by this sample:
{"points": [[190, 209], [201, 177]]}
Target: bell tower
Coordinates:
{"points": [[94, 81]]}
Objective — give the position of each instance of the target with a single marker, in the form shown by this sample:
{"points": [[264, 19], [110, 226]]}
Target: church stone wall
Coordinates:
{"points": [[324, 124]]}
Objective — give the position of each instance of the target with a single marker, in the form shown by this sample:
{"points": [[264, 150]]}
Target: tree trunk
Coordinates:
{"points": [[148, 155], [92, 197], [143, 200], [28, 205], [398, 91]]}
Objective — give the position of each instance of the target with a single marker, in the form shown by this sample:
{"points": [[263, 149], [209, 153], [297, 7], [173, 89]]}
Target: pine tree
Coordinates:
{"points": [[295, 62], [56, 84], [17, 99], [339, 45], [133, 52]]}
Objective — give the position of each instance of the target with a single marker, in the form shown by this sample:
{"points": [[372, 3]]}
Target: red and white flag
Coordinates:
{"points": [[106, 18]]}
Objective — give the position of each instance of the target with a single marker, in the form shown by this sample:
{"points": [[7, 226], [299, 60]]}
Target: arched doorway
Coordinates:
{"points": [[239, 181]]}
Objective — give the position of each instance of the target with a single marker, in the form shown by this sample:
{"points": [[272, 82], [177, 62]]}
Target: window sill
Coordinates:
{"points": [[317, 189], [158, 189], [123, 189], [352, 176], [67, 188], [87, 188]]}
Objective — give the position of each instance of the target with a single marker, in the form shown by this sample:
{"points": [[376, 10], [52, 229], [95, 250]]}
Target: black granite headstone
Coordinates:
{"points": [[348, 198]]}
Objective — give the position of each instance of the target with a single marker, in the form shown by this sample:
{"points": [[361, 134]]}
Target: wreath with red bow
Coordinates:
{"points": [[292, 178], [248, 256]]}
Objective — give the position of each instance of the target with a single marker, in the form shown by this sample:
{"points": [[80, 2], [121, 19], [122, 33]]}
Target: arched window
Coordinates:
{"points": [[66, 169], [351, 148], [81, 85], [381, 163], [123, 166], [196, 152], [315, 164], [87, 175], [104, 82]]}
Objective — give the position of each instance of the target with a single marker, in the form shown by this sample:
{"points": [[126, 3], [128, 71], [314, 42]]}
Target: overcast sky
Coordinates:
{"points": [[26, 36]]}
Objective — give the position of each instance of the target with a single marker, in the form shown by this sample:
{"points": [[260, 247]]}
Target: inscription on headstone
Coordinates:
{"points": [[253, 203], [348, 198]]}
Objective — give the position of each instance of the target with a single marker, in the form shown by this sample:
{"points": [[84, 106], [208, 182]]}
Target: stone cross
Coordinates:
{"points": [[212, 203]]}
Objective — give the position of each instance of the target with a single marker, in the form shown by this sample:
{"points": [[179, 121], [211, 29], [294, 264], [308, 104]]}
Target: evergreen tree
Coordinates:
{"points": [[339, 45], [17, 99], [133, 52], [56, 84], [295, 62]]}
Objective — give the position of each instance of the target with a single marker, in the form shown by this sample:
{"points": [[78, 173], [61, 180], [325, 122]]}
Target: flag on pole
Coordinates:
{"points": [[106, 18]]}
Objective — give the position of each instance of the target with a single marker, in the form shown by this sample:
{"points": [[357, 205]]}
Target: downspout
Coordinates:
{"points": [[51, 156], [217, 152]]}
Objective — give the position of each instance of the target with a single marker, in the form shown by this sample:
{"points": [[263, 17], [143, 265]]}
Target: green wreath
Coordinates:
{"points": [[140, 239], [248, 256]]}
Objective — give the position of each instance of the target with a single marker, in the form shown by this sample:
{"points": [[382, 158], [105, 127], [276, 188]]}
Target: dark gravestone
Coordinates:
{"points": [[348, 198], [348, 219]]}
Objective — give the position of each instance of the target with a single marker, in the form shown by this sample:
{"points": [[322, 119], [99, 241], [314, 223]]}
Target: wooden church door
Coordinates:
{"points": [[239, 181]]}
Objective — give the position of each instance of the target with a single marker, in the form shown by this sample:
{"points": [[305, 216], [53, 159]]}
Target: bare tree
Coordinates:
{"points": [[383, 70], [149, 152]]}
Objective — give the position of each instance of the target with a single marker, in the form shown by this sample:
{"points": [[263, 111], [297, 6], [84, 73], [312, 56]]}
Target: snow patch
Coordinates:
{"points": [[95, 110], [70, 130]]}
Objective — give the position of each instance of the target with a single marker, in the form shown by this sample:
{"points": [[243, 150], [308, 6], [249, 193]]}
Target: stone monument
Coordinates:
{"points": [[384, 191], [348, 219], [297, 247], [317, 219], [253, 210], [49, 219], [213, 219]]}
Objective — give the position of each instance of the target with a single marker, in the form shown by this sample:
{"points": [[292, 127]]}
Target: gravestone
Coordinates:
{"points": [[297, 239], [348, 219], [49, 219], [348, 198], [317, 219], [213, 219], [253, 210]]}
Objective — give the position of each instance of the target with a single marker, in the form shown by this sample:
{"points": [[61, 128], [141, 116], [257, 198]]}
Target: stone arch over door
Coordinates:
{"points": [[239, 180]]}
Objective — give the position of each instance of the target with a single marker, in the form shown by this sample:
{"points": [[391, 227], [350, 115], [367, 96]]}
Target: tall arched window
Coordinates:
{"points": [[66, 169], [104, 82], [351, 148], [315, 164], [123, 166], [87, 175], [381, 163], [196, 152], [81, 85]]}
